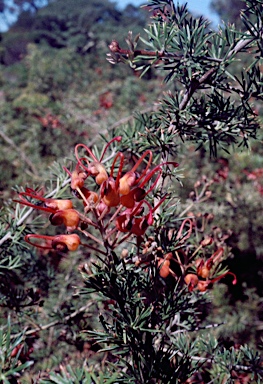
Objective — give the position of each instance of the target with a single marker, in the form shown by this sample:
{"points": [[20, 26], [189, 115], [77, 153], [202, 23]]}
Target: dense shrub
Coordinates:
{"points": [[137, 258]]}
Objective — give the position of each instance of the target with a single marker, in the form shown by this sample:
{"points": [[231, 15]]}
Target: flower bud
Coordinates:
{"points": [[164, 268], [90, 197], [124, 223], [203, 286], [202, 269], [191, 280], [134, 196], [139, 226], [203, 272]]}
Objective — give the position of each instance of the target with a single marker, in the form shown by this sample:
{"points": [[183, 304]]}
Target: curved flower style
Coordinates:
{"points": [[126, 189], [204, 277], [61, 210], [50, 205], [94, 168], [117, 207], [59, 242]]}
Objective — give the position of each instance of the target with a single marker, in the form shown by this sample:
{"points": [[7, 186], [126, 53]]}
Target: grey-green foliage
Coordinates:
{"points": [[10, 365], [82, 375], [209, 102], [152, 328], [138, 329]]}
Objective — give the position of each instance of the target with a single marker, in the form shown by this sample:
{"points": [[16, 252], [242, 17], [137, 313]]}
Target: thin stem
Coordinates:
{"points": [[178, 260], [114, 216], [53, 323], [196, 83], [121, 240], [87, 234], [94, 249], [111, 232]]}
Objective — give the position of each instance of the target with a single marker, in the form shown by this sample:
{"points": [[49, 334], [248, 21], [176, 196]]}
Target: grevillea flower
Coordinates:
{"points": [[68, 217], [49, 205], [95, 167], [128, 220], [59, 242], [117, 205], [127, 188], [61, 210], [110, 193], [195, 282]]}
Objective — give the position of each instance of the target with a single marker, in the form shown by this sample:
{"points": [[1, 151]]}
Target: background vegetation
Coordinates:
{"points": [[58, 90]]}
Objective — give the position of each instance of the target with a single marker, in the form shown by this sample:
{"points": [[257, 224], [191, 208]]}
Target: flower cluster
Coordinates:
{"points": [[204, 277], [199, 273], [116, 205]]}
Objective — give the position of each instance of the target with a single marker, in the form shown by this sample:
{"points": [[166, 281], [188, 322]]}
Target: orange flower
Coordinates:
{"points": [[50, 205], [68, 217], [59, 242]]}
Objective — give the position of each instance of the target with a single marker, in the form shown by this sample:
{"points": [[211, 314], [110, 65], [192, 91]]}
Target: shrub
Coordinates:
{"points": [[149, 262]]}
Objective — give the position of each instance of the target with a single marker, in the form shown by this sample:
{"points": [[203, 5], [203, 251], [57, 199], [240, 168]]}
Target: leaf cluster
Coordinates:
{"points": [[208, 104]]}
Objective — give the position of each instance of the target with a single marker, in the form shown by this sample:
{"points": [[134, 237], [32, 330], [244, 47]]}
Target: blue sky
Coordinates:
{"points": [[199, 7]]}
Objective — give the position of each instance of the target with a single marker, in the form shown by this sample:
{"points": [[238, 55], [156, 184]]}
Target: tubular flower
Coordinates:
{"points": [[204, 266], [50, 205], [59, 204], [98, 170], [68, 217], [164, 267], [89, 198], [163, 264], [109, 193], [124, 223], [118, 203], [191, 280], [95, 167], [77, 179], [134, 196], [129, 221], [203, 285], [194, 282], [134, 186], [126, 182], [125, 189], [140, 224], [59, 242]]}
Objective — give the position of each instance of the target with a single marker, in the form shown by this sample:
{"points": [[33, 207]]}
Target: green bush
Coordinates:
{"points": [[122, 264]]}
